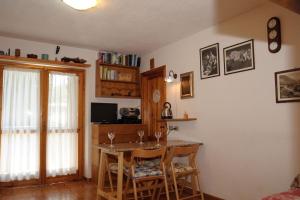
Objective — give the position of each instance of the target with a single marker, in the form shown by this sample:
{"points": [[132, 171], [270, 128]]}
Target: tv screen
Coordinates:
{"points": [[104, 112]]}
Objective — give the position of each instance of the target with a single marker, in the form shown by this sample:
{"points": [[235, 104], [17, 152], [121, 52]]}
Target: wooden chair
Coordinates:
{"points": [[179, 171], [147, 171]]}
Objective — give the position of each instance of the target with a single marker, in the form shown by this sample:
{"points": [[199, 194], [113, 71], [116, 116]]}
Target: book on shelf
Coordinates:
{"points": [[106, 57]]}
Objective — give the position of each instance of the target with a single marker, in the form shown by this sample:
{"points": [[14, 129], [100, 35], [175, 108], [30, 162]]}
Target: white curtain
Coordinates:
{"points": [[62, 136], [19, 153]]}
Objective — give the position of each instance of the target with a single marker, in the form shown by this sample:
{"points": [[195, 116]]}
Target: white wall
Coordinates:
{"points": [[91, 56], [251, 144]]}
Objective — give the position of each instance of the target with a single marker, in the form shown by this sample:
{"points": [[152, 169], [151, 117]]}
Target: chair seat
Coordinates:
{"points": [[182, 168], [143, 169]]}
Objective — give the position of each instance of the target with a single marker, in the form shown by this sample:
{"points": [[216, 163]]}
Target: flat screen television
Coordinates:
{"points": [[105, 113]]}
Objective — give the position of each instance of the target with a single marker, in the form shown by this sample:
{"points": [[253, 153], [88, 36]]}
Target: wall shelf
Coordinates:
{"points": [[40, 62], [117, 81], [177, 120]]}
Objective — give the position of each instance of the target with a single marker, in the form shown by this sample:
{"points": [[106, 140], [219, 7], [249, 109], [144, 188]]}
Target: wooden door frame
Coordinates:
{"points": [[145, 76], [44, 89]]}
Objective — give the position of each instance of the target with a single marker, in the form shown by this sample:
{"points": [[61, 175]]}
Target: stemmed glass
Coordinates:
{"points": [[141, 135], [111, 136], [157, 135]]}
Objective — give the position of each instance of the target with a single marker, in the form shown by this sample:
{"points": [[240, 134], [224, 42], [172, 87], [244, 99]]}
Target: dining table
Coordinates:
{"points": [[118, 151]]}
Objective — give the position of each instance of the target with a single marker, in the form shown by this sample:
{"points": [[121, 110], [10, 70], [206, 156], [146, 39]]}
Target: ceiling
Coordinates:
{"points": [[138, 26]]}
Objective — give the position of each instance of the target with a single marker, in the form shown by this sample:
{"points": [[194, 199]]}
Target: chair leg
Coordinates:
{"points": [[174, 182], [166, 182], [199, 187], [134, 189], [109, 177], [154, 190], [126, 187]]}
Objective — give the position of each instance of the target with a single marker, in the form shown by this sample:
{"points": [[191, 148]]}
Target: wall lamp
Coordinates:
{"points": [[171, 77]]}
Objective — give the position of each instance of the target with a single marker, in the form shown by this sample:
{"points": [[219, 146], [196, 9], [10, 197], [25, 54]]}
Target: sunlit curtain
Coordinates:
{"points": [[19, 150], [62, 136]]}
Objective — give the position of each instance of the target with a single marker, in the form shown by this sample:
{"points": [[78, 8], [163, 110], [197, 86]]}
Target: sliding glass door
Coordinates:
{"points": [[20, 125], [41, 124]]}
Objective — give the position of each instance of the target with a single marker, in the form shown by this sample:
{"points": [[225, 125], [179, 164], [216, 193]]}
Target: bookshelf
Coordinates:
{"points": [[117, 81]]}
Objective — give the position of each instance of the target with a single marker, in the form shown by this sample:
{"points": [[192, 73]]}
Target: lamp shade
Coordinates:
{"points": [[81, 4]]}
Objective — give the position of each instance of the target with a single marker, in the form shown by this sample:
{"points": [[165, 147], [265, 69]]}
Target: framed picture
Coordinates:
{"points": [[239, 57], [287, 84], [187, 85], [209, 61]]}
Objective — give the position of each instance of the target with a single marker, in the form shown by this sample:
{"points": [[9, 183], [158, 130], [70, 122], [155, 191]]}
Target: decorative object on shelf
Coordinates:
{"points": [[166, 112], [45, 56], [185, 115], [105, 57], [74, 60], [2, 53], [17, 52], [287, 84], [239, 57], [171, 77], [152, 63], [8, 52], [274, 34], [187, 85], [56, 52], [32, 56], [209, 61], [81, 4]]}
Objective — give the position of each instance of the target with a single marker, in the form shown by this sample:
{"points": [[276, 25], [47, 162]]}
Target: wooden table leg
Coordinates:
{"points": [[120, 176], [101, 174]]}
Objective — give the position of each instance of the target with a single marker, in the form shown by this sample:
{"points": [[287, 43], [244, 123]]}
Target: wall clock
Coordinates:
{"points": [[274, 34]]}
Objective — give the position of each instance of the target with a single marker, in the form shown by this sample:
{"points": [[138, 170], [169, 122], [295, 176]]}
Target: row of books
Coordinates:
{"points": [[110, 74], [119, 59]]}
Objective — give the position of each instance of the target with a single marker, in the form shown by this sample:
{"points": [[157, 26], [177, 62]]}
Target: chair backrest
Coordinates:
{"points": [[149, 153], [182, 151], [144, 154]]}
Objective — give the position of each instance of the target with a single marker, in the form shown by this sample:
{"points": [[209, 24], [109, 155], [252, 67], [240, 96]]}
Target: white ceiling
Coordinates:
{"points": [[121, 25]]}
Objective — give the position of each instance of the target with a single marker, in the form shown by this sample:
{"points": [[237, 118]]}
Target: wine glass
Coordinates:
{"points": [[111, 136], [157, 135], [141, 135]]}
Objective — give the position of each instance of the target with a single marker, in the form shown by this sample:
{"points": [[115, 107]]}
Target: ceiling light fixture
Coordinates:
{"points": [[81, 4], [172, 76]]}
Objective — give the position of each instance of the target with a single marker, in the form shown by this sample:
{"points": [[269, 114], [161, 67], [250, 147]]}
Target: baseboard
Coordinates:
{"points": [[211, 197]]}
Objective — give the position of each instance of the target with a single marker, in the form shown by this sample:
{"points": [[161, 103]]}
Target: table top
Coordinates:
{"points": [[125, 147]]}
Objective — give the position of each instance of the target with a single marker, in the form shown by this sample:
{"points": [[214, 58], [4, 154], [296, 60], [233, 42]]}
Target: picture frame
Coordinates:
{"points": [[209, 61], [287, 86], [187, 85], [239, 57]]}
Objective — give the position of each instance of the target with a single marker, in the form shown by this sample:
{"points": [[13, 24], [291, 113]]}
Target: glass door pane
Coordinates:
{"points": [[20, 125], [62, 131]]}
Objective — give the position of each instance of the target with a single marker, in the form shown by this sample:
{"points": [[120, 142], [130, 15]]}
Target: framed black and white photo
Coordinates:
{"points": [[209, 61], [287, 84], [187, 85], [239, 57]]}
